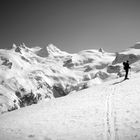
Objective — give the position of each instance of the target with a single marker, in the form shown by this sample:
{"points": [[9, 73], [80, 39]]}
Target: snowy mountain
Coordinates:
{"points": [[30, 75], [99, 104]]}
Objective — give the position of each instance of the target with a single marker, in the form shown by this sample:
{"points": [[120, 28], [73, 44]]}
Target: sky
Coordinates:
{"points": [[71, 25]]}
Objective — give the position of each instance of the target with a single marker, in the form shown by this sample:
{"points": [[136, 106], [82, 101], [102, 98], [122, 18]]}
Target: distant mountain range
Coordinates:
{"points": [[29, 75]]}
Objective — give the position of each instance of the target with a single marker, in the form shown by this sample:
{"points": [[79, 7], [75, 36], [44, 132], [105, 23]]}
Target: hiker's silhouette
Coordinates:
{"points": [[126, 68]]}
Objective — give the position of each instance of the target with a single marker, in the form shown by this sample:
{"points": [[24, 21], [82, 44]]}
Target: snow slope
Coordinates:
{"points": [[110, 111]]}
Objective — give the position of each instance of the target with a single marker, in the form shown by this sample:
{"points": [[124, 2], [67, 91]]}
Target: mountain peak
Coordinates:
{"points": [[50, 50], [20, 48], [54, 51], [101, 50], [136, 46], [41, 51]]}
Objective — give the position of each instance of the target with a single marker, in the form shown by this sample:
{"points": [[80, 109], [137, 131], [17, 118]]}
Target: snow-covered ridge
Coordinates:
{"points": [[29, 75]]}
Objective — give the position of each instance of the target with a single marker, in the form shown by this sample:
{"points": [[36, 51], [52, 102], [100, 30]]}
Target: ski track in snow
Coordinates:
{"points": [[110, 119], [109, 112]]}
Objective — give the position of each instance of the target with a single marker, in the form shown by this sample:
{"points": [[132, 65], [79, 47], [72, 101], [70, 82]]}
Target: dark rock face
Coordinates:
{"points": [[27, 99], [88, 68], [132, 58], [102, 75], [6, 62], [136, 46], [43, 52], [58, 91], [18, 49], [25, 59], [68, 63], [113, 69]]}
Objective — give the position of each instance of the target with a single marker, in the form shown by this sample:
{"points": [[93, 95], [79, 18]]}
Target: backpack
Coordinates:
{"points": [[126, 65]]}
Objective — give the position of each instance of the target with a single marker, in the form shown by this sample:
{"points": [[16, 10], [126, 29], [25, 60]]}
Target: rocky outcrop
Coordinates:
{"points": [[121, 57], [113, 69]]}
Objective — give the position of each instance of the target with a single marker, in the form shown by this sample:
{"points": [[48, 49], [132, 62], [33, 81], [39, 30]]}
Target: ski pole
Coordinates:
{"points": [[130, 73]]}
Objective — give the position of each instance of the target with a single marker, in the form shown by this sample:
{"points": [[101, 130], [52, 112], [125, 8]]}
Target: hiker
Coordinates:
{"points": [[126, 68]]}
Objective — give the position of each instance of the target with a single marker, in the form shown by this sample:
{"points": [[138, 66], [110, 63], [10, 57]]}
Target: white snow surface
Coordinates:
{"points": [[97, 103], [110, 111]]}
